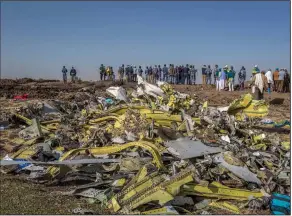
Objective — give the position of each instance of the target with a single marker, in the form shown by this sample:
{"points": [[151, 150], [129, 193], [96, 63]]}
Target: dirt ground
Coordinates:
{"points": [[20, 197]]}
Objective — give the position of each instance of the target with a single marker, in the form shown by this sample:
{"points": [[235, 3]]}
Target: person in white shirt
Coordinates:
{"points": [[269, 76]]}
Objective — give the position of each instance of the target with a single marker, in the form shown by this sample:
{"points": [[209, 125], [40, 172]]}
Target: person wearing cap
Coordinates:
{"points": [[260, 84], [276, 79], [204, 68], [242, 77], [230, 78], [269, 80]]}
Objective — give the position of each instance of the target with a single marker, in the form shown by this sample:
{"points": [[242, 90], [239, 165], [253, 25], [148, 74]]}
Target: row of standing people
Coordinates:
{"points": [[184, 75]]}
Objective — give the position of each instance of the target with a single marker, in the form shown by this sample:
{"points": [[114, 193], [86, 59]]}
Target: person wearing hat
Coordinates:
{"points": [[242, 77], [260, 84], [276, 79], [204, 81]]}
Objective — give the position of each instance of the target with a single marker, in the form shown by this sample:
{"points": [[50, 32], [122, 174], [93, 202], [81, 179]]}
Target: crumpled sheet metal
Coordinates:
{"points": [[118, 92], [151, 188], [185, 148], [134, 185], [218, 191], [150, 89], [245, 106], [240, 171]]}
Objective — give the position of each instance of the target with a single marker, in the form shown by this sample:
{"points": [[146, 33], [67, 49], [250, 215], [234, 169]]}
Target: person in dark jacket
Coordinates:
{"points": [[140, 71], [286, 82], [64, 71], [147, 73], [102, 72], [242, 77], [73, 74], [165, 73], [186, 75], [159, 77], [155, 74]]}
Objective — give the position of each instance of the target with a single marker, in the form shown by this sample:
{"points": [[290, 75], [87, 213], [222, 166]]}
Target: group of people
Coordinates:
{"points": [[106, 73], [183, 75], [278, 81], [224, 79], [73, 74]]}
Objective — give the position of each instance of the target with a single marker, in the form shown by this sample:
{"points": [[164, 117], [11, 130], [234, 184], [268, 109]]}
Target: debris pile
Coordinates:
{"points": [[150, 151]]}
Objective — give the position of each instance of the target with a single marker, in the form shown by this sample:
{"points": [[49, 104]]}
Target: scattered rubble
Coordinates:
{"points": [[151, 150]]}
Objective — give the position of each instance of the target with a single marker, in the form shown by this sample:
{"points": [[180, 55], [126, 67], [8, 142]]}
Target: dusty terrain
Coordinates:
{"points": [[20, 197]]}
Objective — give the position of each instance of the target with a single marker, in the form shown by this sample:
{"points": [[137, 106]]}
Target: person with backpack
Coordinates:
{"points": [[73, 74], [64, 71]]}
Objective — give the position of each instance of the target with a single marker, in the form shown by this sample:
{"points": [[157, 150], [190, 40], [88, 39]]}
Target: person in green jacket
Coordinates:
{"points": [[230, 78]]}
